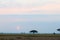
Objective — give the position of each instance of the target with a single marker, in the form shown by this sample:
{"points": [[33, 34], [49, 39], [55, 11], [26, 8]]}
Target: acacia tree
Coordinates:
{"points": [[33, 31], [58, 29]]}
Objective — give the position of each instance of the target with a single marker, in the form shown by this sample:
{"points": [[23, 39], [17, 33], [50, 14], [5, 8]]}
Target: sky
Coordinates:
{"points": [[27, 7], [26, 23], [17, 16]]}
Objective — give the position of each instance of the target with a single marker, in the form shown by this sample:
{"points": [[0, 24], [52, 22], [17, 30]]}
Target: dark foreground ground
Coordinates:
{"points": [[29, 37]]}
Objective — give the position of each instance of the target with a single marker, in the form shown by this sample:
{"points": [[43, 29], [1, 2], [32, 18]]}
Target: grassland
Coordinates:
{"points": [[29, 37]]}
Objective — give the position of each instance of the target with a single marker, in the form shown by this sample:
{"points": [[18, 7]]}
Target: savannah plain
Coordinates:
{"points": [[29, 36]]}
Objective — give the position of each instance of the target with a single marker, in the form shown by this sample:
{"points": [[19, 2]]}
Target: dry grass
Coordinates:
{"points": [[29, 37]]}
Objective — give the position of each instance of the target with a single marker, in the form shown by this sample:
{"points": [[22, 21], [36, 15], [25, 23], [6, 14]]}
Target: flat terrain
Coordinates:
{"points": [[29, 37]]}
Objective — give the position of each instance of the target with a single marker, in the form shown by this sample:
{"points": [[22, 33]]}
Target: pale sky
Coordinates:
{"points": [[24, 15], [25, 23], [18, 7]]}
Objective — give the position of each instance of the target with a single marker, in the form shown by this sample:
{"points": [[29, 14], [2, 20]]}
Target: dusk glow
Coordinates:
{"points": [[23, 7]]}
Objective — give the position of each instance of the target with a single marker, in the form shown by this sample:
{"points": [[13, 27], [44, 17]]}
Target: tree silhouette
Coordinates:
{"points": [[54, 33], [33, 31], [58, 29]]}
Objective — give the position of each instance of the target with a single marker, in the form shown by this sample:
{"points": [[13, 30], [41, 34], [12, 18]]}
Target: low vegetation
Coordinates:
{"points": [[29, 37]]}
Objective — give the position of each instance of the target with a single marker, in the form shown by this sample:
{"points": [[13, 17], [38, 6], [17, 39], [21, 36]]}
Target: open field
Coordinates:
{"points": [[29, 37]]}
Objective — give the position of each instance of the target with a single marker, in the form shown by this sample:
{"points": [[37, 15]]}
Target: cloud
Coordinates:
{"points": [[14, 10], [47, 9], [29, 7]]}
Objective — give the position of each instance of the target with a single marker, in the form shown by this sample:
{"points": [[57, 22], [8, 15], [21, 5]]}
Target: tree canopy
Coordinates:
{"points": [[58, 29], [33, 31]]}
